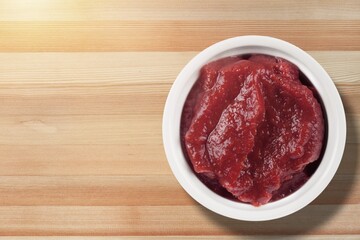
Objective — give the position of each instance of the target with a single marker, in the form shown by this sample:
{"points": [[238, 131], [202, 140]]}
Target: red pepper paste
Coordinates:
{"points": [[250, 127]]}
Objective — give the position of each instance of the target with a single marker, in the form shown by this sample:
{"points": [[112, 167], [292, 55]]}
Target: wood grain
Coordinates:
{"points": [[82, 90], [98, 130], [189, 237], [174, 35], [146, 190], [167, 220], [102, 83], [75, 10], [80, 160]]}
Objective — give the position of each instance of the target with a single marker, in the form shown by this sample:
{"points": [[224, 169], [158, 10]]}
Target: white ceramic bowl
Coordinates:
{"points": [[335, 119]]}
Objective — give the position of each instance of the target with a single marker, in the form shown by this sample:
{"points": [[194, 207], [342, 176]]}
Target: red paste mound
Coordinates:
{"points": [[250, 127]]}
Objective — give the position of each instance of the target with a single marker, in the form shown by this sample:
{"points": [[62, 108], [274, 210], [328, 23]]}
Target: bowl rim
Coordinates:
{"points": [[334, 111]]}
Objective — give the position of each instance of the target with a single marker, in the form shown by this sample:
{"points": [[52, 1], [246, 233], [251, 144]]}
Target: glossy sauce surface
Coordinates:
{"points": [[249, 128]]}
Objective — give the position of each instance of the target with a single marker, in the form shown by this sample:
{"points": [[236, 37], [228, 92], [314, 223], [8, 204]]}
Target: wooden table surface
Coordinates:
{"points": [[82, 90]]}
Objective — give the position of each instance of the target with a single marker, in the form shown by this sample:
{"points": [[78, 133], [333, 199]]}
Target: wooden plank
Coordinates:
{"points": [[181, 220], [193, 237], [353, 128], [15, 10], [141, 190], [112, 68], [95, 160], [341, 190], [80, 129], [60, 160], [98, 130], [172, 35], [104, 83]]}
